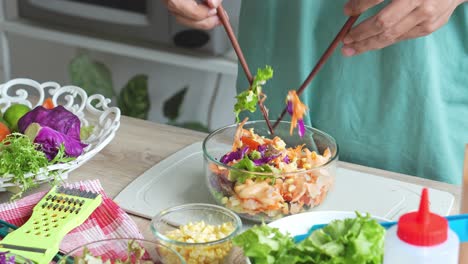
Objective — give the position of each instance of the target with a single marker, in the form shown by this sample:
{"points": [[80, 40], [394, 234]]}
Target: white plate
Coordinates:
{"points": [[299, 224]]}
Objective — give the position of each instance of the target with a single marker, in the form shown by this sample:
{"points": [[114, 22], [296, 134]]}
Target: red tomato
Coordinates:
{"points": [[252, 144]]}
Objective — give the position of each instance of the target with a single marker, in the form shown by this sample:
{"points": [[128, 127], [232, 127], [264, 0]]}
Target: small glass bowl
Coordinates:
{"points": [[117, 249], [308, 187], [175, 218], [18, 259]]}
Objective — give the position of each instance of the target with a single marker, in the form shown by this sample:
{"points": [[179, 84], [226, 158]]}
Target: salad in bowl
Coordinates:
{"points": [[264, 178], [263, 174]]}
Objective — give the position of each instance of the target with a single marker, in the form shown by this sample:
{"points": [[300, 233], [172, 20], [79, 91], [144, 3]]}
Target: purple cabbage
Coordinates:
{"points": [[234, 155], [50, 141], [57, 118], [264, 160], [301, 129], [262, 149], [286, 159], [4, 259], [290, 107]]}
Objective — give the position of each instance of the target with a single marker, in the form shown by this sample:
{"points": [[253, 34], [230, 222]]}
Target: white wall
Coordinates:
{"points": [[47, 61]]}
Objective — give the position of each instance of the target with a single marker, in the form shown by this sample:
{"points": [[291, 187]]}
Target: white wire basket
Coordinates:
{"points": [[92, 110]]}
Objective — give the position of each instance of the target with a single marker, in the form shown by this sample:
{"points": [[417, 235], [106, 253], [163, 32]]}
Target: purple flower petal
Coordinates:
{"points": [[301, 128], [290, 107], [234, 155]]}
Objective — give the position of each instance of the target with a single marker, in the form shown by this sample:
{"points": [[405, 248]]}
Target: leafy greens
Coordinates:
{"points": [[350, 241], [19, 157], [248, 165], [248, 100]]}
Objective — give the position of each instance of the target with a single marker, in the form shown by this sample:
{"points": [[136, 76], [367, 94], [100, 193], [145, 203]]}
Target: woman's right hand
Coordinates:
{"points": [[194, 14]]}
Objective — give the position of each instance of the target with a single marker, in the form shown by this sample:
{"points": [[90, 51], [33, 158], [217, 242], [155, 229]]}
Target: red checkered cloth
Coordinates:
{"points": [[107, 221]]}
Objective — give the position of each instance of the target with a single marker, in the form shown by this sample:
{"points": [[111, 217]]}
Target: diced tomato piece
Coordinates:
{"points": [[252, 144]]}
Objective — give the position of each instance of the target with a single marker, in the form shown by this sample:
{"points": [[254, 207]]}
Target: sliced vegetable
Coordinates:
{"points": [[58, 118], [264, 160], [250, 142], [50, 140], [297, 111], [248, 165], [234, 155]]}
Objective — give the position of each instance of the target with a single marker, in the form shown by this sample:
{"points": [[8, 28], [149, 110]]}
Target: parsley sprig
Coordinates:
{"points": [[19, 156]]}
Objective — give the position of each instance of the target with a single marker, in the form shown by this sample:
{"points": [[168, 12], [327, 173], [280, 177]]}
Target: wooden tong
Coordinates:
{"points": [[235, 44], [328, 52]]}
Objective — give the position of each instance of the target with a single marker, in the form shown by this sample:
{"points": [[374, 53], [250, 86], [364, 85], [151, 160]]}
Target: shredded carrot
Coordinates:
{"points": [[298, 109], [238, 135]]}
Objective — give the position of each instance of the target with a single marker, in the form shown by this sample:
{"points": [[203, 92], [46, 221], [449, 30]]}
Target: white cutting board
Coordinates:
{"points": [[180, 179]]}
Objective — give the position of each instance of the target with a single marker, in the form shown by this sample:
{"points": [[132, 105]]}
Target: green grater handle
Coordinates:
{"points": [[53, 217], [6, 228]]}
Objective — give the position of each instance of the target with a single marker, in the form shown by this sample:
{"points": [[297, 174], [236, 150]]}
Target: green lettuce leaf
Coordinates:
{"points": [[248, 165], [263, 75], [248, 100], [353, 240], [264, 244], [349, 241]]}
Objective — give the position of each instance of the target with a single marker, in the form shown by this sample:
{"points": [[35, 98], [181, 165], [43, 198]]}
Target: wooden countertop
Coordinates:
{"points": [[139, 145]]}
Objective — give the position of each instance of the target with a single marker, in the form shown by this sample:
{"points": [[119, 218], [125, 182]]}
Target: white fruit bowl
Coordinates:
{"points": [[92, 110]]}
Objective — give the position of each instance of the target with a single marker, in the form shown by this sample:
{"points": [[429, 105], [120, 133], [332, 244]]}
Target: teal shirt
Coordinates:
{"points": [[403, 108]]}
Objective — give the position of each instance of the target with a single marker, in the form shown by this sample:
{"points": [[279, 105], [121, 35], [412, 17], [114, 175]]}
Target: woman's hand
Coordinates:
{"points": [[193, 14], [400, 20]]}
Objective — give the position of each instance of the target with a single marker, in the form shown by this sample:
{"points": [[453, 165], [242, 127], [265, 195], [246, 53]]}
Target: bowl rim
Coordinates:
{"points": [[198, 206], [68, 254], [314, 130]]}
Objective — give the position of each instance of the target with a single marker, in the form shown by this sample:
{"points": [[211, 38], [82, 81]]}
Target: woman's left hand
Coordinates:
{"points": [[400, 20]]}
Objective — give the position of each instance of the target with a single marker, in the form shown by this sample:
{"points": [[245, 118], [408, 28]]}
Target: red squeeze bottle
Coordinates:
{"points": [[421, 237]]}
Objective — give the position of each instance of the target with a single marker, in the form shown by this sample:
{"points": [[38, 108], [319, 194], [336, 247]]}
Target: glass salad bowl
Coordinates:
{"points": [[276, 180], [122, 251], [201, 233]]}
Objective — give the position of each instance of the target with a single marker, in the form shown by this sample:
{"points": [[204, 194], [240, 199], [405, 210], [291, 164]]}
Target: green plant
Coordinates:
{"points": [[171, 110], [133, 99]]}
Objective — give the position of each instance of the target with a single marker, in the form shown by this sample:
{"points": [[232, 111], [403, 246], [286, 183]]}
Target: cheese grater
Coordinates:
{"points": [[57, 213]]}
